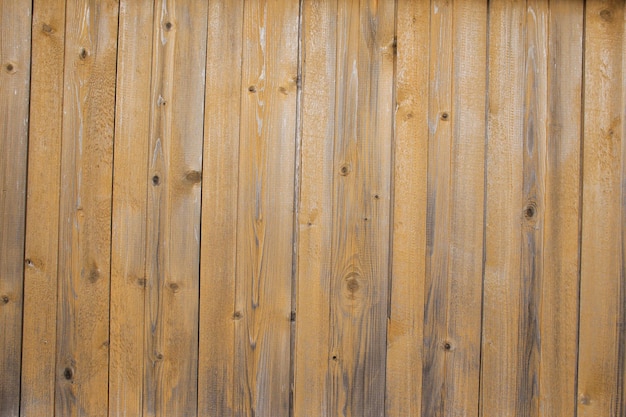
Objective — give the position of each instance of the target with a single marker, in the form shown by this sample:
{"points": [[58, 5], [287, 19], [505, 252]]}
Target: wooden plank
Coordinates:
{"points": [[85, 209], [15, 38], [405, 327], [42, 216], [319, 37], [216, 376], [601, 355], [173, 210], [128, 256], [559, 293], [452, 317], [501, 392], [265, 208], [361, 207]]}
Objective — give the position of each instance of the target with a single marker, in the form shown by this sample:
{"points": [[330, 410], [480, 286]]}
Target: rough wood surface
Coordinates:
{"points": [[130, 183], [173, 212], [42, 217], [602, 348], [85, 209], [265, 208], [216, 376], [15, 46]]}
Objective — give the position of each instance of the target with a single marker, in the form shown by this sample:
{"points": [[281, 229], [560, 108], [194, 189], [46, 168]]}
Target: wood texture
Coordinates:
{"points": [[216, 376], [173, 211], [42, 217], [15, 42], [265, 208], [454, 230], [85, 209], [130, 187], [602, 350], [408, 261]]}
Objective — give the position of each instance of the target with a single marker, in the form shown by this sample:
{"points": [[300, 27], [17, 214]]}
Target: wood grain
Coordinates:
{"points": [[173, 210], [601, 356], [361, 207], [128, 248], [503, 314], [42, 216], [408, 260], [319, 36], [85, 209], [559, 293], [15, 65], [216, 375], [265, 208]]}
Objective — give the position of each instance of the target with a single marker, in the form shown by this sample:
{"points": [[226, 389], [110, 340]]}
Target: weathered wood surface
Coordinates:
{"points": [[313, 208]]}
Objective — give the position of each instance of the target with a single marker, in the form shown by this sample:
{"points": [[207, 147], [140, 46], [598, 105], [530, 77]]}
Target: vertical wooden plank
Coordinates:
{"points": [[452, 317], [601, 356], [265, 208], [319, 27], [501, 393], [15, 38], [361, 207], [405, 327], [219, 209], [559, 305], [42, 216], [173, 211], [128, 256], [85, 209]]}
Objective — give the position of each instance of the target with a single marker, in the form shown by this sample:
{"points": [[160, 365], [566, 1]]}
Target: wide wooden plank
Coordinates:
{"points": [[602, 349], [452, 316], [173, 208], [408, 260], [15, 38], [265, 208], [85, 209], [42, 217], [503, 313], [319, 32], [359, 287], [559, 293], [128, 248], [216, 376]]}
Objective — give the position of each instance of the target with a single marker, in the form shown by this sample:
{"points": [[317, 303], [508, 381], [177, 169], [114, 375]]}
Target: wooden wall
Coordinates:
{"points": [[315, 208]]}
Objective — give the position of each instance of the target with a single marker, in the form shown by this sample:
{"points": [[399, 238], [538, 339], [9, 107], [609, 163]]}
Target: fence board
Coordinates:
{"points": [[130, 183], [15, 38], [85, 209], [265, 208], [600, 365], [42, 217], [216, 376]]}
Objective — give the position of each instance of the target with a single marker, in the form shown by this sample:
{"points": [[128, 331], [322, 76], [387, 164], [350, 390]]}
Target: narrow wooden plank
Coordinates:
{"points": [[600, 364], [42, 216], [219, 209], [405, 327], [15, 38], [85, 209], [173, 211], [500, 371], [452, 317], [265, 208], [559, 293], [128, 249], [319, 27], [361, 207]]}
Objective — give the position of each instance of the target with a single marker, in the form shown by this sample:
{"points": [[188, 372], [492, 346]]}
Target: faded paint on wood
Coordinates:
{"points": [[42, 217], [15, 64]]}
